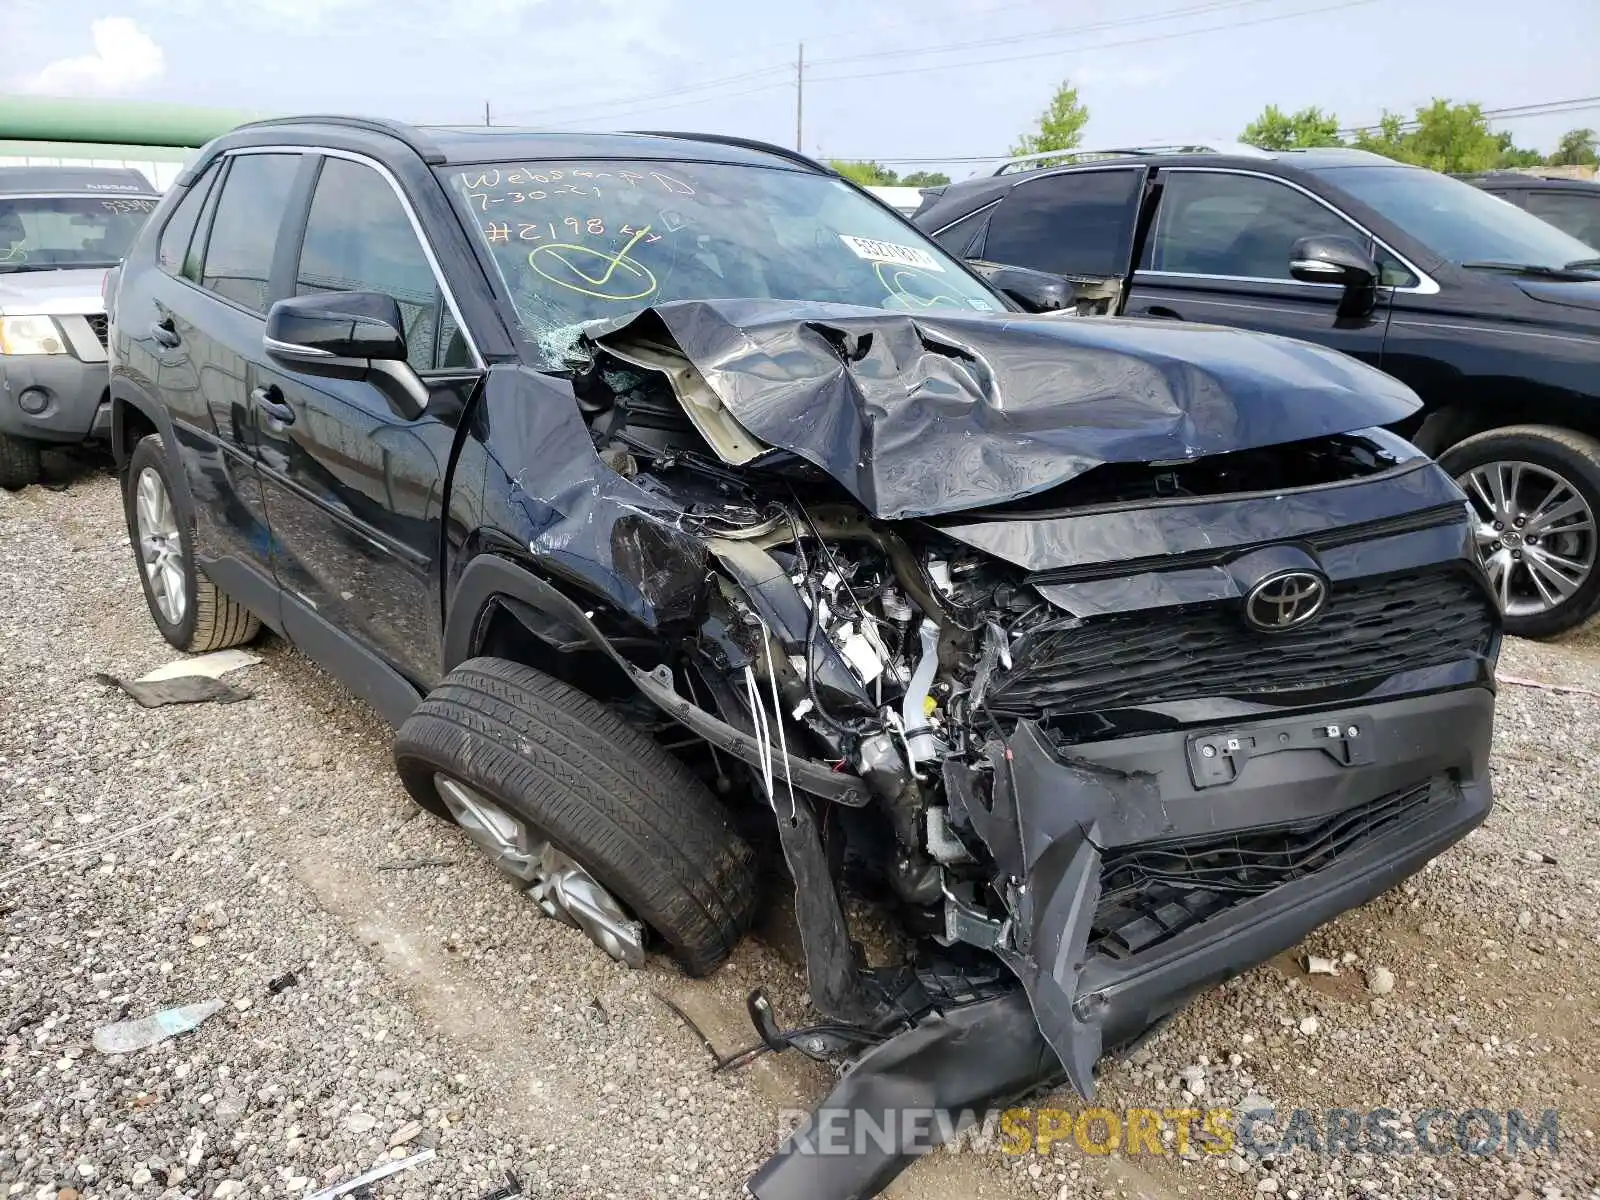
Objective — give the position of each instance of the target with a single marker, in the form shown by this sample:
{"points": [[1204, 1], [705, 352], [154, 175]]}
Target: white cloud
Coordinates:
{"points": [[125, 58]]}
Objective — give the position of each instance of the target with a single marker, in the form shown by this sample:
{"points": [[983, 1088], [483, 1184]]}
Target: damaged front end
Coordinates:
{"points": [[1121, 662]]}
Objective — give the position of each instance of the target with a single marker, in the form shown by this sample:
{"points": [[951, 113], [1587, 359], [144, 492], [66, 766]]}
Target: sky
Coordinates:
{"points": [[941, 80]]}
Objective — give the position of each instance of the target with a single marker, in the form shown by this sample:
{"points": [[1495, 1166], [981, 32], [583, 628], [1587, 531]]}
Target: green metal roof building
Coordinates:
{"points": [[156, 139]]}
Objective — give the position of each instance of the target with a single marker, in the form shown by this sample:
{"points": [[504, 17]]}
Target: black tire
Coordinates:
{"points": [[628, 812], [1573, 456], [212, 620], [19, 462]]}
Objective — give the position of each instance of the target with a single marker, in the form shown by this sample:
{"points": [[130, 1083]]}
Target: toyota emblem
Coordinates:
{"points": [[1285, 601]]}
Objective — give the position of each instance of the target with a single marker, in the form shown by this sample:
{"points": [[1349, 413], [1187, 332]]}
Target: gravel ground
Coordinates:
{"points": [[150, 858]]}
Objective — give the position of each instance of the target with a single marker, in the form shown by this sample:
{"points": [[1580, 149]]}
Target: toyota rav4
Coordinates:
{"points": [[681, 504]]}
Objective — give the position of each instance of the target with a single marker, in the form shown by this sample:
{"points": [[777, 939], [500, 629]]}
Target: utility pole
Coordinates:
{"points": [[486, 112], [800, 99]]}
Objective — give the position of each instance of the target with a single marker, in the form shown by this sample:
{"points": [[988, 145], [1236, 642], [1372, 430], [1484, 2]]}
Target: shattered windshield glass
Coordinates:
{"points": [[579, 241]]}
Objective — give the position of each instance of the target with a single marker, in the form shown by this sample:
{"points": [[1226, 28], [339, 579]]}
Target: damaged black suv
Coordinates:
{"points": [[682, 504]]}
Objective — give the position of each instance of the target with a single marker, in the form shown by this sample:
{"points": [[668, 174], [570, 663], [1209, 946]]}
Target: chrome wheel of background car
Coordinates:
{"points": [[562, 888], [160, 547], [1535, 534]]}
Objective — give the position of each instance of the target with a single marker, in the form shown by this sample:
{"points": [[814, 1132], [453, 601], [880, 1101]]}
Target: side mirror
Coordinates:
{"points": [[347, 335], [1035, 291], [1330, 258], [304, 330]]}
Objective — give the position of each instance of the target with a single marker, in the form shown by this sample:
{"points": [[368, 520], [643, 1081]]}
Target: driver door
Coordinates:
{"points": [[355, 490]]}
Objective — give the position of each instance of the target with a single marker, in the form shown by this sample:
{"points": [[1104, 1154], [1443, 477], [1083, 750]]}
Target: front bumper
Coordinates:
{"points": [[1147, 873], [77, 403], [1097, 973]]}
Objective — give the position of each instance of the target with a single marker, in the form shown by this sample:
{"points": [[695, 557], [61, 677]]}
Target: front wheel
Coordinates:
{"points": [[1535, 490], [603, 828]]}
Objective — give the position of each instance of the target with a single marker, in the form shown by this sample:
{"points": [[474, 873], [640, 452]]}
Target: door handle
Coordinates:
{"points": [[1159, 310], [165, 332], [269, 400]]}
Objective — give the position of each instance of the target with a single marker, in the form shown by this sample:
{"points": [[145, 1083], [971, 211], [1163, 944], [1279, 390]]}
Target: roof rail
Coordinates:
{"points": [[1025, 162], [726, 139], [409, 134]]}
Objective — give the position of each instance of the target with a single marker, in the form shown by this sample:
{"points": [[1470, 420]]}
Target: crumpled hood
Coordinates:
{"points": [[57, 293], [937, 412]]}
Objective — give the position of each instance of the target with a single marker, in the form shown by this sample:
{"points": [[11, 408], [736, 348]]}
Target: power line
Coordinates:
{"points": [[666, 95], [856, 32], [630, 102], [1509, 113], [1140, 41], [1513, 112], [955, 66], [1043, 34], [656, 108]]}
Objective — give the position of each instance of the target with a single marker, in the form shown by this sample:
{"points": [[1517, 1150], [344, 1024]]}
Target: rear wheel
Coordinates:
{"points": [[191, 612], [19, 462], [1535, 490], [604, 828]]}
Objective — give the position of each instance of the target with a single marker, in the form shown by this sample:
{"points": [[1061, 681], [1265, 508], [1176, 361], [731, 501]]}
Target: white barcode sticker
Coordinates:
{"points": [[891, 252]]}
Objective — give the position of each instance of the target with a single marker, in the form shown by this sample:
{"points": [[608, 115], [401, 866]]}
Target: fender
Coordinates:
{"points": [[489, 579], [126, 394]]}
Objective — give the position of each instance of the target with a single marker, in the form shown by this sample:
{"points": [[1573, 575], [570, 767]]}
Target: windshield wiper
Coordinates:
{"points": [[1516, 268], [1582, 264]]}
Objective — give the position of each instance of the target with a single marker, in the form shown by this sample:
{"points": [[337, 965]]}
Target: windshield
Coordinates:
{"points": [[577, 241], [44, 233], [1458, 221]]}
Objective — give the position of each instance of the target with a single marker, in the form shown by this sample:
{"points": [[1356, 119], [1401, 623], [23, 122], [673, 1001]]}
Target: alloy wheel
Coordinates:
{"points": [[160, 547], [560, 886], [1535, 534]]}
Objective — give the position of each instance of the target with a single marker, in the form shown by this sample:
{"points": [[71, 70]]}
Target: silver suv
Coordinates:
{"points": [[61, 229]]}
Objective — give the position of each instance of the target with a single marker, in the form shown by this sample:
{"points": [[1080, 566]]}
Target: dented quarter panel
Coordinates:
{"points": [[939, 412]]}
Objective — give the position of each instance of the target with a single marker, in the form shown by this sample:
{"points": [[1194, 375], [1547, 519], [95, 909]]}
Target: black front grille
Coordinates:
{"points": [[1370, 628], [99, 324], [1155, 890]]}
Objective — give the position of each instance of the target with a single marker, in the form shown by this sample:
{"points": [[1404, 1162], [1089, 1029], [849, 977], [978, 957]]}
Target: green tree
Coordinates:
{"points": [[867, 174], [1442, 136], [1275, 129], [1060, 126], [925, 179], [1516, 156], [1577, 147]]}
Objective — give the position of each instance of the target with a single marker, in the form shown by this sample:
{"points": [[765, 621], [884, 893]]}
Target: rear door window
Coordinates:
{"points": [[244, 231], [180, 227], [1077, 223]]}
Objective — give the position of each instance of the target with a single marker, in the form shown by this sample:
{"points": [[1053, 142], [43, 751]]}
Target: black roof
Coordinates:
{"points": [[450, 145], [31, 181]]}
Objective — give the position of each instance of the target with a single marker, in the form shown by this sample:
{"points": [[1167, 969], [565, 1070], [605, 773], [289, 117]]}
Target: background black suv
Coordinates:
{"points": [[1571, 205], [1492, 315]]}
